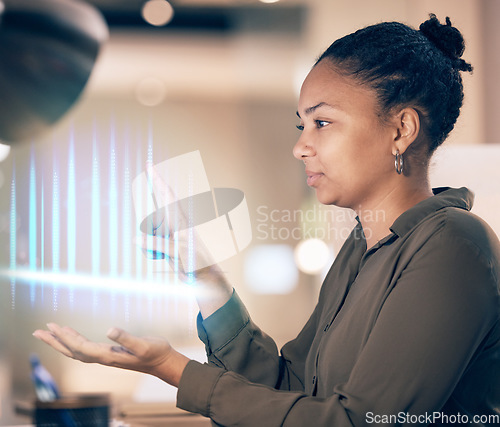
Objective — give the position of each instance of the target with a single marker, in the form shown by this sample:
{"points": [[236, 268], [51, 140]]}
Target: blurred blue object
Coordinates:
{"points": [[45, 386], [47, 51]]}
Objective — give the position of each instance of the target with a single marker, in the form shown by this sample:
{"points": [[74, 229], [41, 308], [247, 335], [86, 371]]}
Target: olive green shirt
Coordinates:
{"points": [[406, 332]]}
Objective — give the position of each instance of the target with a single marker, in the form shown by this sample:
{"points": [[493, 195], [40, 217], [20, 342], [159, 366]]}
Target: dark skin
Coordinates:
{"points": [[349, 152]]}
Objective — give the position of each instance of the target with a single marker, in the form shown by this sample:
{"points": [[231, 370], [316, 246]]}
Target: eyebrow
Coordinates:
{"points": [[310, 110]]}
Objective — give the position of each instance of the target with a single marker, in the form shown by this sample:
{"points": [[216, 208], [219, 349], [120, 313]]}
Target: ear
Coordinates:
{"points": [[407, 129]]}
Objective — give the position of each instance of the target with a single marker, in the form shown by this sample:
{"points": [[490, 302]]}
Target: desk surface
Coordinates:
{"points": [[170, 420], [136, 415], [173, 420]]}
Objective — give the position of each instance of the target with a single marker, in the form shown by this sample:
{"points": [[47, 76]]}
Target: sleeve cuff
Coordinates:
{"points": [[222, 326], [196, 387]]}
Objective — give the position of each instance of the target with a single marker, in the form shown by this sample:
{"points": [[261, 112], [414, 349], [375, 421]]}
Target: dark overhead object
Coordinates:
{"points": [[47, 51], [207, 16]]}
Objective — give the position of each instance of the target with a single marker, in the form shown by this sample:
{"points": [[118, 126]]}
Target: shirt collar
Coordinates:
{"points": [[444, 197]]}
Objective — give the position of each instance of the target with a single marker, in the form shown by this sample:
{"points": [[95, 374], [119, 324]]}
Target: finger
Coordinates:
{"points": [[159, 247], [70, 331], [49, 338], [164, 193], [66, 334], [175, 248], [158, 224], [79, 346], [130, 343], [153, 243], [154, 247], [161, 189], [119, 349]]}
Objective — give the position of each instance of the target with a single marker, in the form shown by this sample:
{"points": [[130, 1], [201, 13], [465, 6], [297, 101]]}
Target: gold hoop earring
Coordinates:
{"points": [[398, 163]]}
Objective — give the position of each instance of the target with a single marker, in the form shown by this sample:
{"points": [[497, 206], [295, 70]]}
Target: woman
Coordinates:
{"points": [[406, 329]]}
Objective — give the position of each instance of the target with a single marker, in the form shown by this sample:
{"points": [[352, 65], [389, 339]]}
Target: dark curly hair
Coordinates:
{"points": [[408, 68]]}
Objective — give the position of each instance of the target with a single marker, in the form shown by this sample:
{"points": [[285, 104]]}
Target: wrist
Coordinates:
{"points": [[171, 369], [214, 290]]}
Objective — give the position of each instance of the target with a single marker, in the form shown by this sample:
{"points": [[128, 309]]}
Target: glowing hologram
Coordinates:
{"points": [[175, 196], [12, 294], [32, 224], [126, 218], [113, 253], [13, 236], [42, 233], [95, 217], [13, 220], [71, 209], [56, 232], [150, 202], [185, 176], [138, 209], [32, 214], [71, 213], [96, 209], [113, 210], [86, 281], [56, 222]]}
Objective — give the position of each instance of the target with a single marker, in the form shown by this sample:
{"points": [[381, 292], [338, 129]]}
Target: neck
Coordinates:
{"points": [[379, 213]]}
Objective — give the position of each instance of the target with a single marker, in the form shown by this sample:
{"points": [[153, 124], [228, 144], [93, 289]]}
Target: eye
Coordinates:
{"points": [[321, 123], [300, 127]]}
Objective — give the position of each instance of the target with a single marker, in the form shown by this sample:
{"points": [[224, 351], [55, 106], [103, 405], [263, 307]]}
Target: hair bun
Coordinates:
{"points": [[447, 39]]}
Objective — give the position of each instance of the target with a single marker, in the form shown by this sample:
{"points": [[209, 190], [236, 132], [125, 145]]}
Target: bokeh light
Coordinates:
{"points": [[150, 91], [270, 269], [4, 152], [312, 256], [157, 12]]}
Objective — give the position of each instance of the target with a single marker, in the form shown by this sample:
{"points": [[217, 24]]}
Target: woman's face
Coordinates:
{"points": [[346, 149]]}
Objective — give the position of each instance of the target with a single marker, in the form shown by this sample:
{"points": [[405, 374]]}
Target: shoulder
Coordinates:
{"points": [[459, 251], [460, 224], [458, 230]]}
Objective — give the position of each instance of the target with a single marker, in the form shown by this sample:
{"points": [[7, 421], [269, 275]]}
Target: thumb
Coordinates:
{"points": [[122, 337]]}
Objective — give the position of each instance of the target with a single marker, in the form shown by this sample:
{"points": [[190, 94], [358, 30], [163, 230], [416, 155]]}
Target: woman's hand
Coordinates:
{"points": [[166, 233], [151, 355], [161, 241]]}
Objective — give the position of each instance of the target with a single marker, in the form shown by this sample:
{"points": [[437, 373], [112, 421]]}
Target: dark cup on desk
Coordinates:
{"points": [[76, 410]]}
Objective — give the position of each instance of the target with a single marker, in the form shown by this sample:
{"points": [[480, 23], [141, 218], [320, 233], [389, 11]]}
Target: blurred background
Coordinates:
{"points": [[221, 77]]}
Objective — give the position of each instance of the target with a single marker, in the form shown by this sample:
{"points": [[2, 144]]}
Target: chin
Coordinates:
{"points": [[330, 199], [326, 199]]}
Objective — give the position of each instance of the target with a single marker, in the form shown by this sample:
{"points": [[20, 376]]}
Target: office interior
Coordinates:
{"points": [[223, 81]]}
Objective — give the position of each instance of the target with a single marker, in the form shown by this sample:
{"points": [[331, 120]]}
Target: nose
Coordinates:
{"points": [[302, 148]]}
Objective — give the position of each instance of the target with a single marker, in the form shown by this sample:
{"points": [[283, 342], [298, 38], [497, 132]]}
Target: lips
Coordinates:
{"points": [[313, 177]]}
